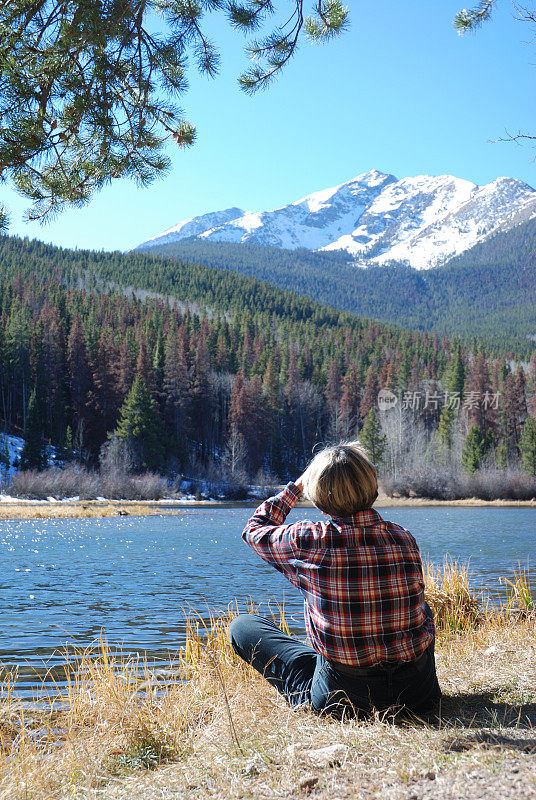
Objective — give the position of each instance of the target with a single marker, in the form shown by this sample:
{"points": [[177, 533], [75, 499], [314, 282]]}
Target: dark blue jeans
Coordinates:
{"points": [[305, 677]]}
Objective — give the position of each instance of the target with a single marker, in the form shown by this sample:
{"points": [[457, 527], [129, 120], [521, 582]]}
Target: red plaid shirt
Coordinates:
{"points": [[361, 578]]}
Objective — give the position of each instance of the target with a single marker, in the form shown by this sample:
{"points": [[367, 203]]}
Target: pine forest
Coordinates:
{"points": [[199, 374]]}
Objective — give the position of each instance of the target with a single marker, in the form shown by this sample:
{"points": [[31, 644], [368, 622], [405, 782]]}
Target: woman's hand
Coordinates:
{"points": [[299, 482]]}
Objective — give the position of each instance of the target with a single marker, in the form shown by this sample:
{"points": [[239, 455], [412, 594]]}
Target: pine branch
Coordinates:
{"points": [[87, 94], [468, 20], [331, 18]]}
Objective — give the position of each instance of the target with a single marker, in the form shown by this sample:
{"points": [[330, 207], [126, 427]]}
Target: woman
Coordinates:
{"points": [[370, 632]]}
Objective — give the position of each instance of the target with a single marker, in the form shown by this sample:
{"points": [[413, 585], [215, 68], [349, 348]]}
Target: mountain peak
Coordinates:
{"points": [[421, 221], [372, 177]]}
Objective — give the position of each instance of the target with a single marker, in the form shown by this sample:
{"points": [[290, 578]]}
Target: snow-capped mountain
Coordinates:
{"points": [[195, 226], [421, 221]]}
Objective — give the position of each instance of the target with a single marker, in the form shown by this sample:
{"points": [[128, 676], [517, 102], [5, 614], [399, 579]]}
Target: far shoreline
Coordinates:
{"points": [[58, 509]]}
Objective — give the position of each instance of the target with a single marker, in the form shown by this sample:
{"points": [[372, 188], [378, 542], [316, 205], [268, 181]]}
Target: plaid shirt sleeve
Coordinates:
{"points": [[278, 544]]}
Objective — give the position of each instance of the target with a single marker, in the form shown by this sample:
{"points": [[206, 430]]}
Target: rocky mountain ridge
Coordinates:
{"points": [[377, 219]]}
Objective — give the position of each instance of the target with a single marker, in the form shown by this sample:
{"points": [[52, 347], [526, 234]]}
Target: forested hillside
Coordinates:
{"points": [[489, 292], [188, 281], [220, 374]]}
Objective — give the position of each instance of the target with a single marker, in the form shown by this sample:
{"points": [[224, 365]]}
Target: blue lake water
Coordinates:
{"points": [[64, 581]]}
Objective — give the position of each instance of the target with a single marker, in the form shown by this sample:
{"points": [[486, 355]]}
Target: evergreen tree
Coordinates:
{"points": [[272, 423], [532, 385], [79, 370], [332, 395], [445, 426], [473, 450], [158, 357], [54, 372], [33, 454], [245, 355], [501, 454], [124, 370], [139, 426], [258, 433], [455, 377], [509, 416], [370, 392], [104, 401], [17, 356], [158, 368], [520, 400], [68, 446], [404, 370], [415, 375], [144, 366], [175, 387], [202, 400], [372, 438], [527, 447], [348, 409]]}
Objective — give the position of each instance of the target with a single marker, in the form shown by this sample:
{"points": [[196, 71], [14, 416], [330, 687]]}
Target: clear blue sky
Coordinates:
{"points": [[400, 92]]}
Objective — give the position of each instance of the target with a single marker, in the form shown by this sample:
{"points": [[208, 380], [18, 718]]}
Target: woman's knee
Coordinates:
{"points": [[243, 630]]}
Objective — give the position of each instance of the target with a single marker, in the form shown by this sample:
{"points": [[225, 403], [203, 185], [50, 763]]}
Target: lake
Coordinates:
{"points": [[65, 580]]}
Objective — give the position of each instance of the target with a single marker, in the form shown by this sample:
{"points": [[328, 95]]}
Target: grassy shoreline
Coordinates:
{"points": [[50, 509], [44, 509], [224, 733]]}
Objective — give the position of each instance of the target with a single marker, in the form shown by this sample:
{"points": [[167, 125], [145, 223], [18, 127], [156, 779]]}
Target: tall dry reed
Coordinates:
{"points": [[454, 604]]}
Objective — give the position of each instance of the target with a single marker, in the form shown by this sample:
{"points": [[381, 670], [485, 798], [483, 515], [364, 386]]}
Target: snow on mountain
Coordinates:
{"points": [[421, 221], [194, 226], [312, 222], [425, 221]]}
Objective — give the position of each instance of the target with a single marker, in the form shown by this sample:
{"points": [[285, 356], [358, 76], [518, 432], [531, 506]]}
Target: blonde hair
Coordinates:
{"points": [[340, 480]]}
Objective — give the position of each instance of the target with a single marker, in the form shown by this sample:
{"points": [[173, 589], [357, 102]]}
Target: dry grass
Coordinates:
{"points": [[455, 605], [224, 733], [519, 593], [74, 480], [80, 509]]}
